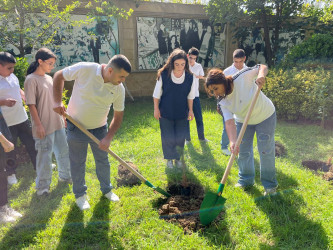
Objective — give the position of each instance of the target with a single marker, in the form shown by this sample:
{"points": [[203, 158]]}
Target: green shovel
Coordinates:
{"points": [[213, 203], [91, 136]]}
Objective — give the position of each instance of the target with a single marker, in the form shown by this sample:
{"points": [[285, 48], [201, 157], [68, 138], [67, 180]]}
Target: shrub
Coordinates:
{"points": [[318, 48], [20, 70], [301, 94]]}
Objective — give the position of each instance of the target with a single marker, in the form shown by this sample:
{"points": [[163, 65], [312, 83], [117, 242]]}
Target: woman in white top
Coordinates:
{"points": [[173, 104], [236, 93]]}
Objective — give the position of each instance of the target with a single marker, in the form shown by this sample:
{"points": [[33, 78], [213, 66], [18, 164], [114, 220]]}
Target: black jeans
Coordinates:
{"points": [[3, 159], [24, 132], [198, 120]]}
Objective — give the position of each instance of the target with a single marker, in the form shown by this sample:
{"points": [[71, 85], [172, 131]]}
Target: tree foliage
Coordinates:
{"points": [[274, 15], [26, 24]]}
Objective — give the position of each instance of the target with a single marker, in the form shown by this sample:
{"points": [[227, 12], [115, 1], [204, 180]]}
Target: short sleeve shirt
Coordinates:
{"points": [[91, 97], [39, 92], [10, 88]]}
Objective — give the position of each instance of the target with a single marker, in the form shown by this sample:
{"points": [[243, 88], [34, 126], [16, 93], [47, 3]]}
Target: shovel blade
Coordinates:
{"points": [[211, 207]]}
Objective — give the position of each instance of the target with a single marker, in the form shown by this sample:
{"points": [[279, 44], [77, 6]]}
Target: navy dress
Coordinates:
{"points": [[174, 112]]}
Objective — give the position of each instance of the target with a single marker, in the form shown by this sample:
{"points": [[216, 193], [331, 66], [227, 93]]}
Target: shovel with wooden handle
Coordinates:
{"points": [[133, 171], [213, 203]]}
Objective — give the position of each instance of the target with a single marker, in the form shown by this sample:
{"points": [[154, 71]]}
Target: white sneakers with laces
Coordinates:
{"points": [[112, 196], [12, 179], [82, 203], [7, 214]]}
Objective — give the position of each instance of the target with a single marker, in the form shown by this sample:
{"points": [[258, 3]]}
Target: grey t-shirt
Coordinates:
{"points": [[39, 91]]}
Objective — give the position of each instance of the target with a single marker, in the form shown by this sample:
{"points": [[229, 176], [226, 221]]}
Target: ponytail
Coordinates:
{"points": [[32, 67], [42, 54]]}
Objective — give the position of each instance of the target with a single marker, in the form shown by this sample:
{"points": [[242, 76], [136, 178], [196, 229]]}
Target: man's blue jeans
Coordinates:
{"points": [[266, 146], [54, 142], [78, 146], [225, 138], [198, 120]]}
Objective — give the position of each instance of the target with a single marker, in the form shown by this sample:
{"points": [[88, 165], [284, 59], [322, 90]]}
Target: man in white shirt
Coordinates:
{"points": [[238, 64], [198, 73], [14, 113], [96, 88]]}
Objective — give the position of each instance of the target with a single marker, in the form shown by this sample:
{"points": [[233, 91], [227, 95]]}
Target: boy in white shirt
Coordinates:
{"points": [[238, 64], [14, 113], [198, 73], [96, 88]]}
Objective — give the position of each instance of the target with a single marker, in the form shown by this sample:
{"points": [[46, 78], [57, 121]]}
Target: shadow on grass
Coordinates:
{"points": [[304, 142], [205, 160], [290, 228], [94, 235], [218, 233], [26, 177], [40, 210]]}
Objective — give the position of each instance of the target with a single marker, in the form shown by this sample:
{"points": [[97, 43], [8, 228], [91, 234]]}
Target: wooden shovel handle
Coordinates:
{"points": [[91, 136], [240, 136]]}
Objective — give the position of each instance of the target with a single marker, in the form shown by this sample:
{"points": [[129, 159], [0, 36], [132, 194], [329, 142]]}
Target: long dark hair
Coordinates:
{"points": [[169, 66], [216, 76], [42, 54]]}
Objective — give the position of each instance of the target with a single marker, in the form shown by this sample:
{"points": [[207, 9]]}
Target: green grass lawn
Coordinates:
{"points": [[299, 217]]}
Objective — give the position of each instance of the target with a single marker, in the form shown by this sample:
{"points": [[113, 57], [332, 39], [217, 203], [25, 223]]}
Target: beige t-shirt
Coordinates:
{"points": [[39, 91]]}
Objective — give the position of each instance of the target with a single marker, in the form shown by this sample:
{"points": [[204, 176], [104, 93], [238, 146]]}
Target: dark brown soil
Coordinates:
{"points": [[125, 177], [326, 167], [183, 207], [280, 150], [316, 165]]}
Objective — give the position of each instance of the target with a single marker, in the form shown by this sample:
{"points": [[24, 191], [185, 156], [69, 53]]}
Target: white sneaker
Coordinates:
{"points": [[12, 213], [43, 191], [112, 196], [53, 166], [5, 218], [178, 163], [12, 179], [270, 191], [187, 142], [226, 151], [169, 164], [82, 203]]}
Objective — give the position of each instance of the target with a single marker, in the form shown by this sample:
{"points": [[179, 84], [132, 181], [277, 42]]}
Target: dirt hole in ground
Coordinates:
{"points": [[126, 177], [316, 165], [183, 206], [280, 149]]}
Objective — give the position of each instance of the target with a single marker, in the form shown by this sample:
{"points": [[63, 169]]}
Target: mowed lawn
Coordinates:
{"points": [[299, 217]]}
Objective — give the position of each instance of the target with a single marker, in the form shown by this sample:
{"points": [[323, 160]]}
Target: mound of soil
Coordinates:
{"points": [[280, 150], [322, 166], [183, 207], [316, 165], [126, 177]]}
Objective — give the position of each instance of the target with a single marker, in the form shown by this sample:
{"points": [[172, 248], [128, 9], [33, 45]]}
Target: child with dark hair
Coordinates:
{"points": [[198, 73], [236, 93], [173, 104], [14, 113], [48, 128], [7, 214], [239, 59]]}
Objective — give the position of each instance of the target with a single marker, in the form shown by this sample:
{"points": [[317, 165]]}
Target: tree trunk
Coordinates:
{"points": [[277, 28], [267, 39]]}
